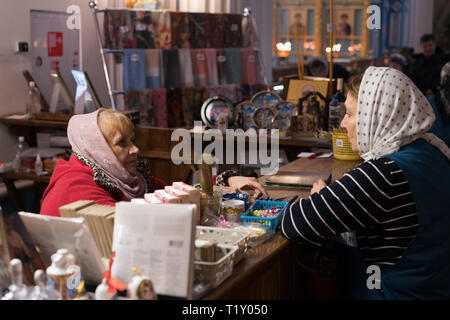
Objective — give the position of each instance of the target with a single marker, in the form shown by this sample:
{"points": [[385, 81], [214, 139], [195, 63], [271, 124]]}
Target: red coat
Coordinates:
{"points": [[73, 180]]}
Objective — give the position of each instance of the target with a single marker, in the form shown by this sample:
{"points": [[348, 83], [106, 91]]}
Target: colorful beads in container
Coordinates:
{"points": [[270, 213]]}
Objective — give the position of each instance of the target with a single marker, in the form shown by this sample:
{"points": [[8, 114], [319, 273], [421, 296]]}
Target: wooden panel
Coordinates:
{"points": [[155, 144], [265, 273]]}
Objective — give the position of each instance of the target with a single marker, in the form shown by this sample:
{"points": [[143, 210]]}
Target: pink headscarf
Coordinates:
{"points": [[87, 141]]}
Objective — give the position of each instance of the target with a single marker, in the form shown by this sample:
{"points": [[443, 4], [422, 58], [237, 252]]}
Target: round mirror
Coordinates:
{"points": [[213, 107]]}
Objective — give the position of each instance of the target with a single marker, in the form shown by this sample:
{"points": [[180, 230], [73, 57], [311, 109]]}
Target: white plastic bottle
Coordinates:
{"points": [[38, 165]]}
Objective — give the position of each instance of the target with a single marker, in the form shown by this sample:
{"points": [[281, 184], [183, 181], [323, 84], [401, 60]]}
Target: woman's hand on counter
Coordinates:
{"points": [[318, 185], [247, 185], [227, 189]]}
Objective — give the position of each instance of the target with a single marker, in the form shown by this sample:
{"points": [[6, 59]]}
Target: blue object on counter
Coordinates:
{"points": [[239, 196], [266, 222]]}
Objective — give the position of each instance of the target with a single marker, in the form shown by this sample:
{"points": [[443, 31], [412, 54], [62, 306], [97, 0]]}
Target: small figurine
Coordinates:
{"points": [[222, 123], [313, 109], [107, 290], [141, 288], [41, 291], [74, 282], [102, 292], [58, 273]]}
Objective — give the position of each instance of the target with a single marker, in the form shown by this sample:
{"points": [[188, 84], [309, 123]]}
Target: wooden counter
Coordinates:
{"points": [[266, 272]]}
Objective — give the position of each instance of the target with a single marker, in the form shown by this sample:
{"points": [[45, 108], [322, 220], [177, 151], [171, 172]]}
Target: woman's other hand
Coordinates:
{"points": [[318, 185], [247, 185]]}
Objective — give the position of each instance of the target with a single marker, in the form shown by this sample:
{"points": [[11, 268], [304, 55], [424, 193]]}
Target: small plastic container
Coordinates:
{"points": [[257, 234], [232, 209], [238, 196], [216, 272], [226, 236]]}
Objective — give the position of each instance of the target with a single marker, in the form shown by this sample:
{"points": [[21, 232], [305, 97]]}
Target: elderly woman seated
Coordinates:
{"points": [[104, 166], [392, 212]]}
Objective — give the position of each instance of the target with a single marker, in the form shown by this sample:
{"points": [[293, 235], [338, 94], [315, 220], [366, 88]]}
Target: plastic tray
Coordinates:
{"points": [[215, 273], [226, 236], [268, 223]]}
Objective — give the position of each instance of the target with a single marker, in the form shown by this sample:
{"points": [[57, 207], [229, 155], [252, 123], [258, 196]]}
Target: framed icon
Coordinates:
{"points": [[263, 118], [266, 99]]}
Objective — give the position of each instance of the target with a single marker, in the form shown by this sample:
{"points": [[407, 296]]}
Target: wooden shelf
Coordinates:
{"points": [[12, 175], [34, 123]]}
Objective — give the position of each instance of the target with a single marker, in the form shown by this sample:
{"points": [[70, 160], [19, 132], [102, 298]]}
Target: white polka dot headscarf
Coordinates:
{"points": [[392, 112]]}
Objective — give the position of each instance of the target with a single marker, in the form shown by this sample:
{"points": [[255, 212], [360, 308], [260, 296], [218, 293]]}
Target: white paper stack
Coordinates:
{"points": [[158, 240]]}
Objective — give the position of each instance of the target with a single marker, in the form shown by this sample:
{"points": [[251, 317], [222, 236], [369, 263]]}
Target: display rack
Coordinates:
{"points": [[104, 52]]}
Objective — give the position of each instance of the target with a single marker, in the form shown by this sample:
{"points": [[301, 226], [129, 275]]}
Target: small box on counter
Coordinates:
{"points": [[166, 197], [152, 198], [194, 195], [184, 196]]}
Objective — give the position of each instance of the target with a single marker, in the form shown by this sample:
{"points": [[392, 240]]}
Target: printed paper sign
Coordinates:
{"points": [[55, 44]]}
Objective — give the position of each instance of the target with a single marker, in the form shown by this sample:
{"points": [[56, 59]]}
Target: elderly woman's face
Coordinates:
{"points": [[126, 152], [349, 121]]}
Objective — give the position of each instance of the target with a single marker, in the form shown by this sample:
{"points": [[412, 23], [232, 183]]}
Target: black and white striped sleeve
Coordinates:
{"points": [[374, 195]]}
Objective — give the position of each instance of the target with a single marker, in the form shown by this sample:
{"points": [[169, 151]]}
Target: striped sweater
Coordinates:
{"points": [[374, 200]]}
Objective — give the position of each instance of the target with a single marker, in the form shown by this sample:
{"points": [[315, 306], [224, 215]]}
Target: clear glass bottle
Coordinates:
{"points": [[17, 162], [34, 99], [334, 117], [17, 290], [341, 97]]}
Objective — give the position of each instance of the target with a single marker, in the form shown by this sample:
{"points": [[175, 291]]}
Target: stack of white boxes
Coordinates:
{"points": [[179, 192]]}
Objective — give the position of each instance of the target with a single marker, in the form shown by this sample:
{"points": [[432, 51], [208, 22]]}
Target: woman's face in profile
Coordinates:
{"points": [[126, 152], [349, 121]]}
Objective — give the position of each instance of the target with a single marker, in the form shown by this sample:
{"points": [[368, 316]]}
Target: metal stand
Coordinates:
{"points": [[57, 91], [247, 14], [111, 93]]}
